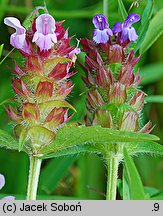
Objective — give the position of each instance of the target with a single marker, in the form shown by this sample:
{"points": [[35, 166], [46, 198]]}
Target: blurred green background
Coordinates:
{"points": [[81, 176]]}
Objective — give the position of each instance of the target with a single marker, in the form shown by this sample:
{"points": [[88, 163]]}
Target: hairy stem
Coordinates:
{"points": [[34, 172], [105, 8], [111, 190]]}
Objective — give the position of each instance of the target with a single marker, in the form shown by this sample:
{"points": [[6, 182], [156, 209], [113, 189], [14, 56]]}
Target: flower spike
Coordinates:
{"points": [[113, 97], [41, 85]]}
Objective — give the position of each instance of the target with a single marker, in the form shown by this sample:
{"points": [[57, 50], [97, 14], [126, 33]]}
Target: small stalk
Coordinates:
{"points": [[111, 190], [34, 172], [105, 8]]}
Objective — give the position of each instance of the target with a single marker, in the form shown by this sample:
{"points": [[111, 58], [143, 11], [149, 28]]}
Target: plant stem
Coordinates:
{"points": [[105, 8], [34, 172], [111, 190]]}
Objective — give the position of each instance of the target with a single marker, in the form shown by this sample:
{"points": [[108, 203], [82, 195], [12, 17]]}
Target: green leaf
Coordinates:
{"points": [[149, 147], [148, 73], [74, 150], [120, 187], [144, 23], [135, 183], [152, 191], [49, 180], [1, 49], [158, 197], [155, 30], [73, 139], [6, 140], [122, 9], [126, 191], [154, 99], [154, 194], [147, 12], [22, 138]]}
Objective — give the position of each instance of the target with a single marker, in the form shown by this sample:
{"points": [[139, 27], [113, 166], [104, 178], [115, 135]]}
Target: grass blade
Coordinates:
{"points": [[122, 9], [155, 30]]}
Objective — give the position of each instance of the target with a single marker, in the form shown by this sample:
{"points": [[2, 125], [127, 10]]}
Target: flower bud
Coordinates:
{"points": [[137, 101], [117, 93], [94, 99], [103, 118], [129, 121], [147, 128], [13, 115], [115, 54], [56, 118]]}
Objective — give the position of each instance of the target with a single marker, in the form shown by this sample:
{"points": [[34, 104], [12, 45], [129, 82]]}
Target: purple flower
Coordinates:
{"points": [[45, 36], [18, 39], [127, 31], [102, 32], [2, 183], [117, 28]]}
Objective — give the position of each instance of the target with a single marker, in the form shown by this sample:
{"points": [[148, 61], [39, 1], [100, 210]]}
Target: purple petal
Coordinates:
{"points": [[45, 24], [101, 36], [109, 32], [45, 36], [2, 181], [124, 35], [129, 33], [100, 22], [131, 19], [117, 28], [132, 34], [15, 23], [44, 42], [8, 198], [18, 39]]}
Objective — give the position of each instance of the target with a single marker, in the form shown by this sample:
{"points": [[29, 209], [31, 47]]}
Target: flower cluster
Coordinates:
{"points": [[42, 84], [113, 100], [124, 32], [2, 183]]}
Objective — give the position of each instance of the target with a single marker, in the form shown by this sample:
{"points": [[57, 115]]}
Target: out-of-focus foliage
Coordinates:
{"points": [[82, 176]]}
